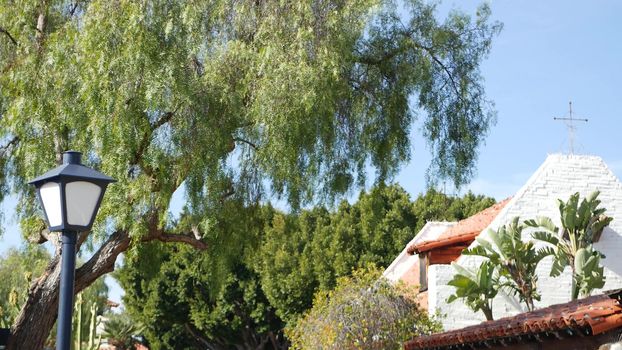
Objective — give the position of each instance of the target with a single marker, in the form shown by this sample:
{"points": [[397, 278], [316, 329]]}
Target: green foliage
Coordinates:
{"points": [[119, 329], [477, 289], [306, 252], [516, 260], [17, 269], [588, 270], [191, 298], [364, 311], [582, 225], [235, 100], [187, 307], [434, 205], [235, 97]]}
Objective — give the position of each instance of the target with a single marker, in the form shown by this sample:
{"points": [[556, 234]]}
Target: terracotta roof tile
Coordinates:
{"points": [[111, 303], [464, 231], [593, 315]]}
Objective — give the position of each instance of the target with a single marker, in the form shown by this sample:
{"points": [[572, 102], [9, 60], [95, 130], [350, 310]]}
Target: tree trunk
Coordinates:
{"points": [[574, 289], [488, 313]]}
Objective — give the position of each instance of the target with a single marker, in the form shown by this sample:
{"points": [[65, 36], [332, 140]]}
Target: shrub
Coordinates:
{"points": [[364, 311]]}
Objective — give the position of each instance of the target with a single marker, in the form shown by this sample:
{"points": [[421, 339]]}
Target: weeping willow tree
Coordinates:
{"points": [[232, 100]]}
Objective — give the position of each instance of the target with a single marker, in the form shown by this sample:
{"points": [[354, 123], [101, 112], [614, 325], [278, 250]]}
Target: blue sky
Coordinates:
{"points": [[549, 52]]}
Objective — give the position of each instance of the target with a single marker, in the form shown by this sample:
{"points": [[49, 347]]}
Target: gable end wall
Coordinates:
{"points": [[558, 177]]}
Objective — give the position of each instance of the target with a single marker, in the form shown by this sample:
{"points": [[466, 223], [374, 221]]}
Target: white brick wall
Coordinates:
{"points": [[558, 177], [405, 261]]}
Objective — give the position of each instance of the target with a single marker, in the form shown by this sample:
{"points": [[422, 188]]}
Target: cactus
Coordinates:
{"points": [[79, 302], [3, 323], [93, 343], [92, 329]]}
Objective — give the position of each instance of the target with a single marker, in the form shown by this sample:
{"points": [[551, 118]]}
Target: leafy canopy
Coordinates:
{"points": [[235, 101], [173, 291], [290, 98], [282, 261], [306, 252]]}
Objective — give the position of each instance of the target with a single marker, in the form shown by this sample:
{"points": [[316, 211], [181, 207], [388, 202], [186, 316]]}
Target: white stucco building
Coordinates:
{"points": [[557, 178]]}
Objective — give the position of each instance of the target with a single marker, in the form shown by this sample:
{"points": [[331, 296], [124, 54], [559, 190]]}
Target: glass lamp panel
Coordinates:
{"points": [[50, 196], [81, 198]]}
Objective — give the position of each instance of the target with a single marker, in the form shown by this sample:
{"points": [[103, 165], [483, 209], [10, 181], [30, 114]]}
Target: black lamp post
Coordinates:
{"points": [[70, 196]]}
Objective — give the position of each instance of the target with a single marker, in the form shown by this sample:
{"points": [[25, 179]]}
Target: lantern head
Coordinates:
{"points": [[71, 194]]}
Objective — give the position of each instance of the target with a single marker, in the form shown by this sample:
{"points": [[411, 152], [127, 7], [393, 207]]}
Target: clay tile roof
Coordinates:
{"points": [[464, 231], [111, 303], [591, 316]]}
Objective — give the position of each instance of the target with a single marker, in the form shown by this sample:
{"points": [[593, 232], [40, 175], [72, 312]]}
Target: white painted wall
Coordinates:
{"points": [[430, 231], [558, 177]]}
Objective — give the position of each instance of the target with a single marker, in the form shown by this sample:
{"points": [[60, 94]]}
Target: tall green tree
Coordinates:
{"points": [[435, 205], [290, 99], [582, 224], [303, 253], [185, 307], [284, 256], [282, 263]]}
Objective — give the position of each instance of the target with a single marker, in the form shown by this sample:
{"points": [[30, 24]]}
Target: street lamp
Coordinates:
{"points": [[70, 196]]}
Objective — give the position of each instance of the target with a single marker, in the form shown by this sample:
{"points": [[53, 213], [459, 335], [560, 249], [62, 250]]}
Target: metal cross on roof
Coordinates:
{"points": [[572, 128]]}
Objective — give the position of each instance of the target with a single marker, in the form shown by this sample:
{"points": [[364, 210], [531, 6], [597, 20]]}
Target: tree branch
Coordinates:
{"points": [[180, 238], [103, 260], [195, 334], [237, 139], [165, 118], [11, 143], [41, 24], [377, 60], [146, 140], [6, 32], [82, 236], [430, 52], [44, 235], [73, 9], [192, 238], [40, 306]]}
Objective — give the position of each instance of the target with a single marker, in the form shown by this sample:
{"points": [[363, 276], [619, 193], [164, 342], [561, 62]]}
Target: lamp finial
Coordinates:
{"points": [[72, 157]]}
